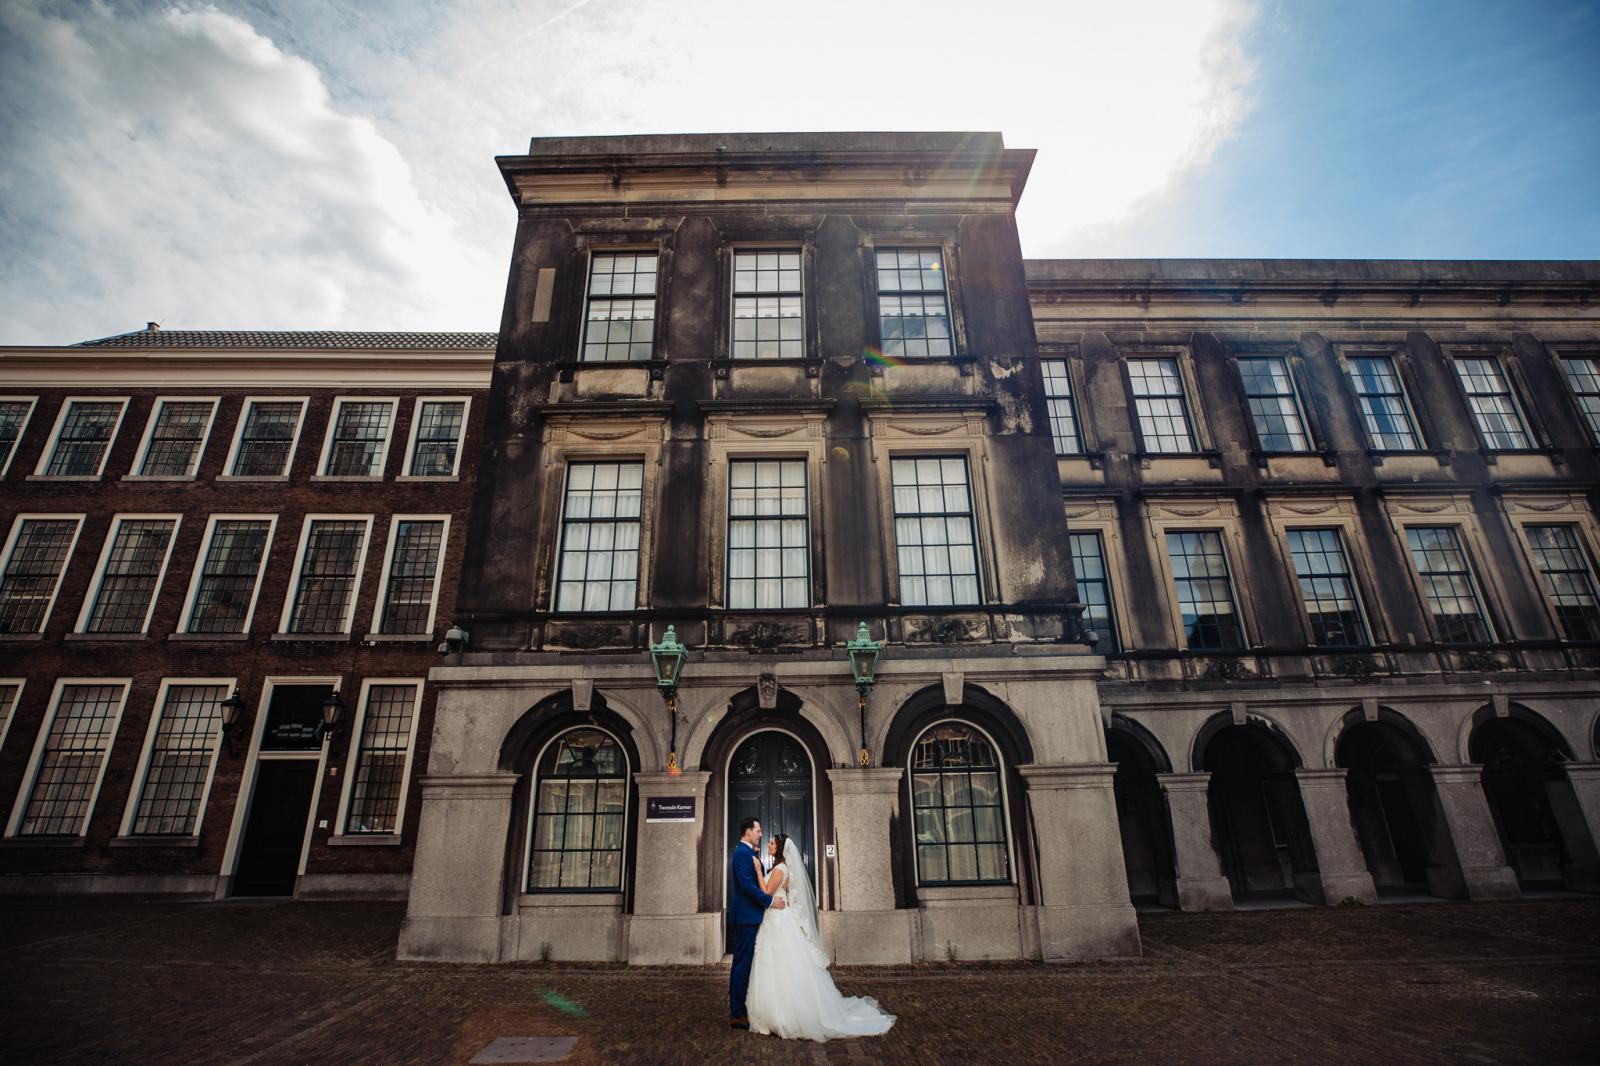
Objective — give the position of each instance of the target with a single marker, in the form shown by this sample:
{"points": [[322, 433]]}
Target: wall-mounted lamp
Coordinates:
{"points": [[332, 708], [667, 660], [455, 641], [863, 654], [230, 709]]}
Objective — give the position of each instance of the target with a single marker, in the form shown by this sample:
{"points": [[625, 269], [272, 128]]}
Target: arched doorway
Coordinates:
{"points": [[1523, 781], [1142, 819], [1257, 817], [770, 777], [1391, 802]]}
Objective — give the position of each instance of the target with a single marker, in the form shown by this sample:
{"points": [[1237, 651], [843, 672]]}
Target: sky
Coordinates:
{"points": [[317, 164]]}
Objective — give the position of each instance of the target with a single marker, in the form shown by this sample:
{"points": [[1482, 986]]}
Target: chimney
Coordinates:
{"points": [[152, 327]]}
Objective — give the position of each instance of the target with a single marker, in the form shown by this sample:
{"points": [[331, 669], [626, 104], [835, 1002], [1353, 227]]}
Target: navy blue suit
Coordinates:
{"points": [[748, 908]]}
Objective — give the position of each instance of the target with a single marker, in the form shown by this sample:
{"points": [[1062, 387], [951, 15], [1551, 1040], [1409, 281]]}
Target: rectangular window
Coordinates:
{"points": [[913, 308], [178, 432], [934, 535], [225, 588], [78, 734], [1094, 591], [768, 306], [1159, 401], [33, 568], [1328, 588], [9, 691], [1568, 579], [410, 585], [1384, 407], [1274, 406], [83, 438], [436, 438], [620, 321], [130, 574], [1448, 584], [1063, 413], [1494, 409], [14, 412], [1205, 591], [330, 569], [182, 752], [267, 434], [377, 787], [358, 438], [599, 566], [1583, 375], [769, 563]]}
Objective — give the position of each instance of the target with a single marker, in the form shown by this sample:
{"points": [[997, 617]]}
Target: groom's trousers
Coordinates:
{"points": [[744, 953]]}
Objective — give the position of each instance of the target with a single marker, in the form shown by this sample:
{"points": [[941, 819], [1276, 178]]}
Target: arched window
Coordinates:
{"points": [[580, 805], [959, 807]]}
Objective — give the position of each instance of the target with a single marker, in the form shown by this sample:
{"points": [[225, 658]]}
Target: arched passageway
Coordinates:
{"points": [[1391, 803], [1527, 795], [1143, 820], [1257, 817]]}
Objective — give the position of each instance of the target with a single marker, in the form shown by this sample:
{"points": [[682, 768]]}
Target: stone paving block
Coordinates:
{"points": [[518, 1049]]}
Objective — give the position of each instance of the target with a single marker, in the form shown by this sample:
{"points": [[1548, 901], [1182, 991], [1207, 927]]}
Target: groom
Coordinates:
{"points": [[748, 903]]}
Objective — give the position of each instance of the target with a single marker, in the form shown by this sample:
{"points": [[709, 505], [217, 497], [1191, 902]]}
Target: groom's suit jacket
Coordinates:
{"points": [[748, 900]]}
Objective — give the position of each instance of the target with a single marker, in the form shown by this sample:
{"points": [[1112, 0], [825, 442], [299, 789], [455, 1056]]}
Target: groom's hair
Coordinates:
{"points": [[747, 825]]}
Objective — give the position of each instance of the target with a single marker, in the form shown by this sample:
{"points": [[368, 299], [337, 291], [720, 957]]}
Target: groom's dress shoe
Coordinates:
{"points": [[740, 1023]]}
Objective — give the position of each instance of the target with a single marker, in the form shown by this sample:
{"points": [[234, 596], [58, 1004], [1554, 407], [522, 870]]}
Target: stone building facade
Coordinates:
{"points": [[193, 515], [1332, 628]]}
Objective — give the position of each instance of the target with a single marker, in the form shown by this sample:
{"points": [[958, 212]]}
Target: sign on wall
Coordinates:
{"points": [[669, 809]]}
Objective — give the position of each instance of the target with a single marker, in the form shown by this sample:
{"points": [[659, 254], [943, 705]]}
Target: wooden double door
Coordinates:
{"points": [[769, 777]]}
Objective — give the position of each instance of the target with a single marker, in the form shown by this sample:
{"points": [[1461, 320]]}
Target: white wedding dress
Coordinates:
{"points": [[791, 994]]}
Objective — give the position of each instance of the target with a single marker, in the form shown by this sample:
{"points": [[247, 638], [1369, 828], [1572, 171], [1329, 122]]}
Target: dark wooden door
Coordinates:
{"points": [[275, 830], [769, 778]]}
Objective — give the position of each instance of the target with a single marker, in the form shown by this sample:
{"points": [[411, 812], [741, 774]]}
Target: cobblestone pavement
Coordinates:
{"points": [[287, 982]]}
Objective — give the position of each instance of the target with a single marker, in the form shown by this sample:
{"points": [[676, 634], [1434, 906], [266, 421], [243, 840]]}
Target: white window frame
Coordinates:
{"points": [[416, 424], [977, 498], [355, 753], [299, 564], [25, 791], [5, 727], [734, 295], [142, 772], [66, 562], [592, 253], [22, 428], [646, 488], [381, 600], [199, 566], [149, 435], [55, 438], [93, 593], [333, 423], [238, 437]]}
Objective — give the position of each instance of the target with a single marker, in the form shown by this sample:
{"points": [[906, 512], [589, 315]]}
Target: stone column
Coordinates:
{"points": [[866, 927], [1084, 909], [667, 926], [1201, 885], [453, 910], [1480, 871], [1341, 867], [1580, 826]]}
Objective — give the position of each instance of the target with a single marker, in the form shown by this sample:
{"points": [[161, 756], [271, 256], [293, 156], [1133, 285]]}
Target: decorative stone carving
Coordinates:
{"points": [[767, 690], [1354, 666], [588, 636], [1228, 670], [1482, 661], [941, 631], [582, 693], [765, 636]]}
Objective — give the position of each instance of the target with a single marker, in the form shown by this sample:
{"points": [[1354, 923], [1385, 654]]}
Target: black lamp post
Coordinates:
{"points": [[667, 660], [332, 708], [230, 709], [863, 653]]}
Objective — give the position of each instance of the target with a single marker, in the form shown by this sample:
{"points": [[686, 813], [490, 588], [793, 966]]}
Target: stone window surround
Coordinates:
{"points": [[149, 434], [1427, 434], [600, 896], [1199, 426], [19, 683], [238, 436], [589, 438], [24, 791], [283, 631], [1099, 515], [947, 434], [22, 428], [914, 237], [199, 565], [1523, 509], [354, 753], [1330, 512], [1516, 385], [416, 424], [729, 438], [1202, 515], [142, 772], [55, 436], [381, 599], [93, 592], [1453, 509], [382, 464], [66, 560], [1294, 360]]}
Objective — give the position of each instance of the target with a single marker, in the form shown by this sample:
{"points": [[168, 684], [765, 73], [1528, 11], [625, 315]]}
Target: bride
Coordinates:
{"points": [[791, 994]]}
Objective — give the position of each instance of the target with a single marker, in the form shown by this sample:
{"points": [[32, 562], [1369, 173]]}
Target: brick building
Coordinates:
{"points": [[194, 515]]}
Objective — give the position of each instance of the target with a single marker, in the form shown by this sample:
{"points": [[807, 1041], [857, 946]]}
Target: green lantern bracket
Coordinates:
{"points": [[863, 653], [667, 659]]}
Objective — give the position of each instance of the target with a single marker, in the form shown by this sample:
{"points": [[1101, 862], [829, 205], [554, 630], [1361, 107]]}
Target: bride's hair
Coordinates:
{"points": [[780, 840]]}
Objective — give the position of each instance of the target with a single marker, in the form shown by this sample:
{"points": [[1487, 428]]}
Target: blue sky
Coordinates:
{"points": [[318, 164]]}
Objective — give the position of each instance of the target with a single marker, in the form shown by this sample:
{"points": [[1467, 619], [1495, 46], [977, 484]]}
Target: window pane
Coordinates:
{"points": [[133, 567], [1568, 579], [13, 413], [957, 807], [33, 571], [1094, 591], [768, 306], [1384, 407], [438, 437], [187, 729], [1205, 594], [327, 582], [228, 576], [360, 435], [579, 819], [1583, 375], [375, 794], [413, 565], [1448, 584], [1158, 401], [85, 436], [266, 439], [933, 512], [1063, 414], [1493, 408], [1327, 588], [767, 511], [176, 439], [913, 315], [619, 323], [599, 565], [69, 767], [1274, 408]]}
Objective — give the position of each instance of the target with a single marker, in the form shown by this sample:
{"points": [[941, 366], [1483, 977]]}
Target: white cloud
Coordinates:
{"points": [[179, 164]]}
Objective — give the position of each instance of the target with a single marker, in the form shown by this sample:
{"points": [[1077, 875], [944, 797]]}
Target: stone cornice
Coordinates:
{"points": [[43, 367]]}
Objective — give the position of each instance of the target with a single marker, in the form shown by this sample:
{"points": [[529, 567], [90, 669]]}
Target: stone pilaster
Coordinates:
{"points": [[1481, 871], [866, 927], [1084, 908], [1341, 867], [1580, 826], [1201, 885], [667, 926], [453, 910]]}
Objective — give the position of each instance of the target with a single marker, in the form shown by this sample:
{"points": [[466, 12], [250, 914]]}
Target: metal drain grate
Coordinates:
{"points": [[513, 1049]]}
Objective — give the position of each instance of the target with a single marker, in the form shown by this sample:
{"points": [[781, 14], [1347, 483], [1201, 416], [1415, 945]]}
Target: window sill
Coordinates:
{"points": [[44, 842], [110, 637], [1377, 455], [967, 895], [1212, 458], [559, 898], [357, 840], [158, 477], [428, 477], [311, 638], [397, 638], [62, 477], [1261, 457], [207, 637], [347, 477], [154, 841], [258, 478], [21, 636]]}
